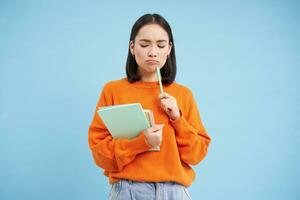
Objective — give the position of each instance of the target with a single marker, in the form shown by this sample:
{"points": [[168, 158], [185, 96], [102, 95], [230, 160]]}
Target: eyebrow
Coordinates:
{"points": [[146, 40]]}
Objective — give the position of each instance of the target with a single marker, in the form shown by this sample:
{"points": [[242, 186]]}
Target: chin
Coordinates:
{"points": [[150, 68], [153, 68]]}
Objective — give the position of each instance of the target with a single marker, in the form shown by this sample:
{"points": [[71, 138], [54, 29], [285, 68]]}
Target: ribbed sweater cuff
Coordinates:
{"points": [[138, 144], [181, 126]]}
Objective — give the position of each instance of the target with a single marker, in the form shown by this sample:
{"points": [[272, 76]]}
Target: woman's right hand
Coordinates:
{"points": [[153, 135]]}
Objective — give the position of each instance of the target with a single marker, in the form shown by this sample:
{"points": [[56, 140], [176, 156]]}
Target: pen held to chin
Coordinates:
{"points": [[159, 80]]}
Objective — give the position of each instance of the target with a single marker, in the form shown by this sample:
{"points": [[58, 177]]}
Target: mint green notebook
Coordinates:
{"points": [[124, 121]]}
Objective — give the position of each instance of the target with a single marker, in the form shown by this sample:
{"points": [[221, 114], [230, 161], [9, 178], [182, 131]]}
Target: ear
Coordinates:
{"points": [[131, 46]]}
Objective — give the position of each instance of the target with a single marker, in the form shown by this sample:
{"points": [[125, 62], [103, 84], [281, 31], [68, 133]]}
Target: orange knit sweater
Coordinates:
{"points": [[184, 141]]}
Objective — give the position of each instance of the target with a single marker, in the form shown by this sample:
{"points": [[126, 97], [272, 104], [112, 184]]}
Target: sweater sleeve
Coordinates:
{"points": [[191, 136], [109, 153]]}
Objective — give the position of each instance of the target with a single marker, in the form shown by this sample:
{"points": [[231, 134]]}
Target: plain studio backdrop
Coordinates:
{"points": [[240, 59]]}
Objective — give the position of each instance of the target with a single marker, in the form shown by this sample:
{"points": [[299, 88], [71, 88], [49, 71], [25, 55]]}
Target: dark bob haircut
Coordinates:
{"points": [[168, 71]]}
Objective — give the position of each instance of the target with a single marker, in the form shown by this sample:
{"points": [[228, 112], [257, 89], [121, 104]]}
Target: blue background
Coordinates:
{"points": [[240, 59]]}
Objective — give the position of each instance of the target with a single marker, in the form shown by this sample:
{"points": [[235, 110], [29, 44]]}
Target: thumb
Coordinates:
{"points": [[158, 126]]}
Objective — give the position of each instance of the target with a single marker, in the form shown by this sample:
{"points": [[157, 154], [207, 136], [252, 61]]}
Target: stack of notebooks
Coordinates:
{"points": [[126, 120]]}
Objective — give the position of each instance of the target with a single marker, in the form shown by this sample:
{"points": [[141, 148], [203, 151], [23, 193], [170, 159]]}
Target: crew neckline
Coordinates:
{"points": [[144, 84]]}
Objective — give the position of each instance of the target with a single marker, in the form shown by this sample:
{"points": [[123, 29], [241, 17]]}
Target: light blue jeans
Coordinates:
{"points": [[133, 190]]}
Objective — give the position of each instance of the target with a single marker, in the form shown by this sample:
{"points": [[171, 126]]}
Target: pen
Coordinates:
{"points": [[159, 80]]}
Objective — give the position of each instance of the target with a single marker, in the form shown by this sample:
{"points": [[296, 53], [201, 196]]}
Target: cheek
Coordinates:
{"points": [[164, 55], [166, 52], [140, 57], [140, 53]]}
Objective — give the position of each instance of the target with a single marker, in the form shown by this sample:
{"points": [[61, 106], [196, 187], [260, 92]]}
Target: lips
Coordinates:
{"points": [[152, 61]]}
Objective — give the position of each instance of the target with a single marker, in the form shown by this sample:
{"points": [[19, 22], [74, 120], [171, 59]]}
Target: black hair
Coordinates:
{"points": [[168, 71]]}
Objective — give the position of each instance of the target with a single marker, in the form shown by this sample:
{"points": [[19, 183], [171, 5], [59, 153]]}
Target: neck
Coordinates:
{"points": [[147, 76]]}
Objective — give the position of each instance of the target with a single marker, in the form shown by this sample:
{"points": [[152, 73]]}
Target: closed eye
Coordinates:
{"points": [[143, 46]]}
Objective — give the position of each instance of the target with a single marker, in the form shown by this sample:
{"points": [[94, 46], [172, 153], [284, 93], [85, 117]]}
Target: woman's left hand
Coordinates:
{"points": [[169, 104]]}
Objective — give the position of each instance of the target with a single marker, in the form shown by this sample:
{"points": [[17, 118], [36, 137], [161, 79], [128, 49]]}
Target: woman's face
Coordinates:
{"points": [[150, 48]]}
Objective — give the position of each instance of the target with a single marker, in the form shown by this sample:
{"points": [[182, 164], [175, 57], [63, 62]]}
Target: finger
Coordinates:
{"points": [[167, 103], [167, 94], [161, 96], [157, 127], [164, 95], [162, 104], [160, 126], [163, 100], [165, 108], [156, 132]]}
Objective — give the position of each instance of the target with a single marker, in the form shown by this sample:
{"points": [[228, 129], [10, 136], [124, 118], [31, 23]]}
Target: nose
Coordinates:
{"points": [[152, 52]]}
